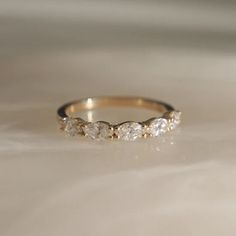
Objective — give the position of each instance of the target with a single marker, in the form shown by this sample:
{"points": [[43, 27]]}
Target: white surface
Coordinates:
{"points": [[183, 184]]}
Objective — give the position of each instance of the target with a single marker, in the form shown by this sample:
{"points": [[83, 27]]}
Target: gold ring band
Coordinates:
{"points": [[128, 130]]}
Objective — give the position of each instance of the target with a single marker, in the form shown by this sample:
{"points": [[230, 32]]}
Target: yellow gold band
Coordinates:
{"points": [[128, 130]]}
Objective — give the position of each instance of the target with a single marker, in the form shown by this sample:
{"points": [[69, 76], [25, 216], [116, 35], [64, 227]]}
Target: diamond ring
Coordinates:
{"points": [[73, 125]]}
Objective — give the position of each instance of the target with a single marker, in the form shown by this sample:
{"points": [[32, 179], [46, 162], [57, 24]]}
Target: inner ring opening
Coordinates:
{"points": [[87, 104]]}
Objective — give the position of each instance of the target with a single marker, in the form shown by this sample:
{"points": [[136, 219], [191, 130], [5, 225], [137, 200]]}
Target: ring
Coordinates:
{"points": [[73, 125]]}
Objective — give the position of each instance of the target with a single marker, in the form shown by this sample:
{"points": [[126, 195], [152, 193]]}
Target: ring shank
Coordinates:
{"points": [[69, 109]]}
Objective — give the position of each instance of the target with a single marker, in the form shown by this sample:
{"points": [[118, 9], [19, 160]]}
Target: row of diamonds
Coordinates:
{"points": [[128, 131]]}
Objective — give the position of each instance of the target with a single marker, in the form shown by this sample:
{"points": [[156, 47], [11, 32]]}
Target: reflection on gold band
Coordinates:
{"points": [[74, 107]]}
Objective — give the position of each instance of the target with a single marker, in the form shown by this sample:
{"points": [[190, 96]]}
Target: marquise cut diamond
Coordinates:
{"points": [[129, 131], [98, 130], [157, 127], [174, 120], [71, 126]]}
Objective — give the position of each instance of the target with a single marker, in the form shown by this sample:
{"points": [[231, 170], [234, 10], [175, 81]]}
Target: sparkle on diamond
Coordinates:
{"points": [[98, 130], [71, 127], [157, 127], [174, 120], [129, 131]]}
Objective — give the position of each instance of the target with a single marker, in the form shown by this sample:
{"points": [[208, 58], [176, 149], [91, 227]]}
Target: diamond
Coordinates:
{"points": [[71, 126], [129, 131], [174, 119], [157, 127], [98, 130]]}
